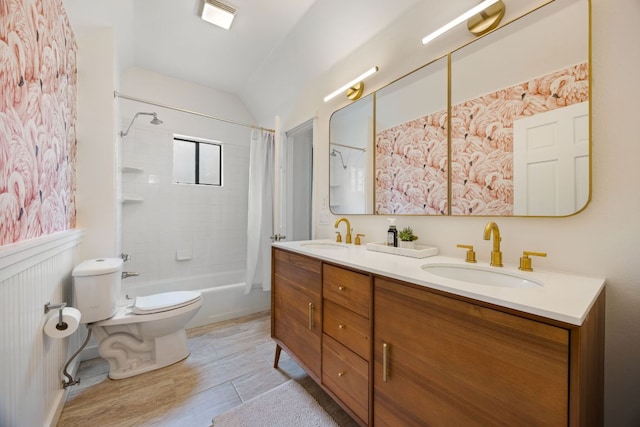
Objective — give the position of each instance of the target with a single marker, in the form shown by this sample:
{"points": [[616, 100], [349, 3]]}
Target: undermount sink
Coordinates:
{"points": [[323, 245], [480, 276]]}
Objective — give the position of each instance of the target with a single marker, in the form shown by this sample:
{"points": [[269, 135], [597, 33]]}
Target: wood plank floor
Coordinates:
{"points": [[230, 362]]}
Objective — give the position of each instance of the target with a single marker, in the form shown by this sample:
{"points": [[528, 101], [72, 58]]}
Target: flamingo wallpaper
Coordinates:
{"points": [[411, 158], [37, 119]]}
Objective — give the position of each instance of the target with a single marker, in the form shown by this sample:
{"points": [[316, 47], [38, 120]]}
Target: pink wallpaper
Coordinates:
{"points": [[37, 119], [411, 167], [411, 158]]}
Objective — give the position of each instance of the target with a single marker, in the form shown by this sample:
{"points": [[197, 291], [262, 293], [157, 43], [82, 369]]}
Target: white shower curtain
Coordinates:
{"points": [[260, 213]]}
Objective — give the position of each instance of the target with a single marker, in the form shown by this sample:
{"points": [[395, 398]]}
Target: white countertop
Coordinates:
{"points": [[563, 297]]}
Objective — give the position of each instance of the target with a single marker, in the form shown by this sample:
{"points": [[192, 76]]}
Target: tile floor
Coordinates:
{"points": [[230, 362]]}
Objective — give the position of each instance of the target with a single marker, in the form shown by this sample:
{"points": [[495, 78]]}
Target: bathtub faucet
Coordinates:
{"points": [[126, 274]]}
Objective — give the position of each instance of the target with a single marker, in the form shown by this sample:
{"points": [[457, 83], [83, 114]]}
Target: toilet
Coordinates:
{"points": [[140, 335]]}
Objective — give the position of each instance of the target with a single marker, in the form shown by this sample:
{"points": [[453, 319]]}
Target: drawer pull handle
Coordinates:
{"points": [[341, 288], [385, 362], [341, 326], [341, 374], [310, 316]]}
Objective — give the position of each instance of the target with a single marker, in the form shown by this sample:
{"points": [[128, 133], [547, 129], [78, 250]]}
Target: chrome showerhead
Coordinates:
{"points": [[154, 121]]}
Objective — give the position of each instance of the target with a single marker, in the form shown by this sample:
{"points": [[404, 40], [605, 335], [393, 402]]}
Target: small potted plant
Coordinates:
{"points": [[407, 238]]}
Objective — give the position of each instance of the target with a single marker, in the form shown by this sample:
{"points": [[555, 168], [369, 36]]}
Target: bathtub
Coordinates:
{"points": [[222, 295]]}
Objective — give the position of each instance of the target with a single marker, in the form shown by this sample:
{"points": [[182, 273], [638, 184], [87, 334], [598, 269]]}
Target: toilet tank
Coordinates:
{"points": [[97, 283]]}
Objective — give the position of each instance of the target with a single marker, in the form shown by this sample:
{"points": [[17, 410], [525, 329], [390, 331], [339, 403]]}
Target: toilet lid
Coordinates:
{"points": [[165, 301]]}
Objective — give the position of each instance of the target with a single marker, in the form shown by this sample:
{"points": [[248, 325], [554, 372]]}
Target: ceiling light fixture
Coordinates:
{"points": [[217, 13], [355, 87], [460, 19]]}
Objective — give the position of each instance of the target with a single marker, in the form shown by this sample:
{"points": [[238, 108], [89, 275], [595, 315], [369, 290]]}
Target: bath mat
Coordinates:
{"points": [[286, 405]]}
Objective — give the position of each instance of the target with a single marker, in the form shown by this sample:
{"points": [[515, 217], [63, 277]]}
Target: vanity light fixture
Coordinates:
{"points": [[217, 13], [354, 88], [460, 19]]}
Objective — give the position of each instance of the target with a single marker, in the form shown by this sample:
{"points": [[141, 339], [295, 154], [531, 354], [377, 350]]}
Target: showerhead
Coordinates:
{"points": [[154, 121]]}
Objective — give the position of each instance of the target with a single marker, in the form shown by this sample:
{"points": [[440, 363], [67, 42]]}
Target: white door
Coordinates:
{"points": [[551, 162]]}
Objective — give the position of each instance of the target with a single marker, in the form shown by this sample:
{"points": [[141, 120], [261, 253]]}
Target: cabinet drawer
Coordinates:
{"points": [[347, 327], [299, 270], [346, 375], [347, 288]]}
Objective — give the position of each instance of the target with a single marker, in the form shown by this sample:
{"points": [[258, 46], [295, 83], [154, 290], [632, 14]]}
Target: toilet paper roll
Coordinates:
{"points": [[70, 321]]}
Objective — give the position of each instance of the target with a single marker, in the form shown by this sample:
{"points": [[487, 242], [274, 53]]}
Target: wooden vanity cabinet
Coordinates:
{"points": [[397, 354], [440, 361], [296, 309]]}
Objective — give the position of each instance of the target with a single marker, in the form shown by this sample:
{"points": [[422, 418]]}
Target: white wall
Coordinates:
{"points": [[601, 241], [96, 197]]}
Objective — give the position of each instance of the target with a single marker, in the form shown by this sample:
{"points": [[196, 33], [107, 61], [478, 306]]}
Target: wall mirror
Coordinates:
{"points": [[411, 160], [520, 133], [351, 158], [519, 141]]}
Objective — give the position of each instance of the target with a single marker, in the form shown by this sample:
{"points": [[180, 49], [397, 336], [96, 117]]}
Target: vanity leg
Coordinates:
{"points": [[277, 358]]}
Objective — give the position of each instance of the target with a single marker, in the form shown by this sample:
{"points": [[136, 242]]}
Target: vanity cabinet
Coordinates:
{"points": [[296, 309], [440, 360], [394, 353]]}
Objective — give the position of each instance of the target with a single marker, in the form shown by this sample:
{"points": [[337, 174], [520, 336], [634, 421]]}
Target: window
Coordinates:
{"points": [[197, 162]]}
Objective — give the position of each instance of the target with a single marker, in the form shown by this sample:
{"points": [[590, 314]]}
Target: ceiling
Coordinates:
{"points": [[168, 36]]}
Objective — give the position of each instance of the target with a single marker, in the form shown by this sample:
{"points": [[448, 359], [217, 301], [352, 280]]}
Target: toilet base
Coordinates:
{"points": [[129, 356]]}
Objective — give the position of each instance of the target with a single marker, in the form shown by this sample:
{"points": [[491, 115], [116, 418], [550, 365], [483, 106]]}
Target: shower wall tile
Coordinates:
{"points": [[210, 222]]}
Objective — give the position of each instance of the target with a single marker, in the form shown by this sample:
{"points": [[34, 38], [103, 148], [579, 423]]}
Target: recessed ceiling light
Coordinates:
{"points": [[217, 13]]}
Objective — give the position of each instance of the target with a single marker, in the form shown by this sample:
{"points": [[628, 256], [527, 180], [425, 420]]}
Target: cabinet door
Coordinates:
{"points": [[450, 362], [297, 307]]}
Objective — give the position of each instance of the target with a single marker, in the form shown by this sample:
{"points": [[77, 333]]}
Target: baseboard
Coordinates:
{"points": [[56, 408]]}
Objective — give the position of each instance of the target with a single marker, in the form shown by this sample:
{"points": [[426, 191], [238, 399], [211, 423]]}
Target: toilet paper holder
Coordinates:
{"points": [[61, 326]]}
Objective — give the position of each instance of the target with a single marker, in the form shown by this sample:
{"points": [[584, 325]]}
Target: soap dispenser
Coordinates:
{"points": [[392, 233]]}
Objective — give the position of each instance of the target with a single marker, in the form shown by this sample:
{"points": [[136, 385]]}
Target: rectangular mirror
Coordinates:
{"points": [[411, 161], [351, 158], [520, 116], [518, 141]]}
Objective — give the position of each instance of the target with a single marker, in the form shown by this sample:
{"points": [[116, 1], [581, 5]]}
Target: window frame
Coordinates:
{"points": [[196, 160]]}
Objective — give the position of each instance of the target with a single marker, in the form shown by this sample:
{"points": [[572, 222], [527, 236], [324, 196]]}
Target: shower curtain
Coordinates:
{"points": [[260, 213]]}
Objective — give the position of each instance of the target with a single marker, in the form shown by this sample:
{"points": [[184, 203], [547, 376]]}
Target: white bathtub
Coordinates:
{"points": [[222, 293]]}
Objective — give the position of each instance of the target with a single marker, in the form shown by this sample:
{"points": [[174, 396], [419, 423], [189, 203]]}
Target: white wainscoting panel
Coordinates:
{"points": [[32, 273]]}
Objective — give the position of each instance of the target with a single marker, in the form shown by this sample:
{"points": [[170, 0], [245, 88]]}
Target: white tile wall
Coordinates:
{"points": [[210, 222]]}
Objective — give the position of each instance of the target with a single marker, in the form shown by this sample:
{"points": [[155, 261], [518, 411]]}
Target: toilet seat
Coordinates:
{"points": [[163, 302], [125, 314]]}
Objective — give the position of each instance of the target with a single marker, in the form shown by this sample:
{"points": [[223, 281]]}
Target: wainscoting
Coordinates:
{"points": [[32, 273]]}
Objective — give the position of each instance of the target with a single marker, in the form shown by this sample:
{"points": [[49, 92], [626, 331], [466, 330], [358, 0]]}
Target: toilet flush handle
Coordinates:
{"points": [[126, 274]]}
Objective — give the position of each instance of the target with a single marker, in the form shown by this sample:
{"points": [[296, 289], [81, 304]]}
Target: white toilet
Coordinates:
{"points": [[139, 336]]}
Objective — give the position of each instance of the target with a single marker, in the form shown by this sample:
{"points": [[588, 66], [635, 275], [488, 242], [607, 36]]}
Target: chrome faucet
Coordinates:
{"points": [[348, 238], [496, 255]]}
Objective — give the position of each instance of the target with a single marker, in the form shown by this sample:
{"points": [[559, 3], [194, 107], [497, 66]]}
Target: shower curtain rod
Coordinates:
{"points": [[349, 146], [157, 104]]}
